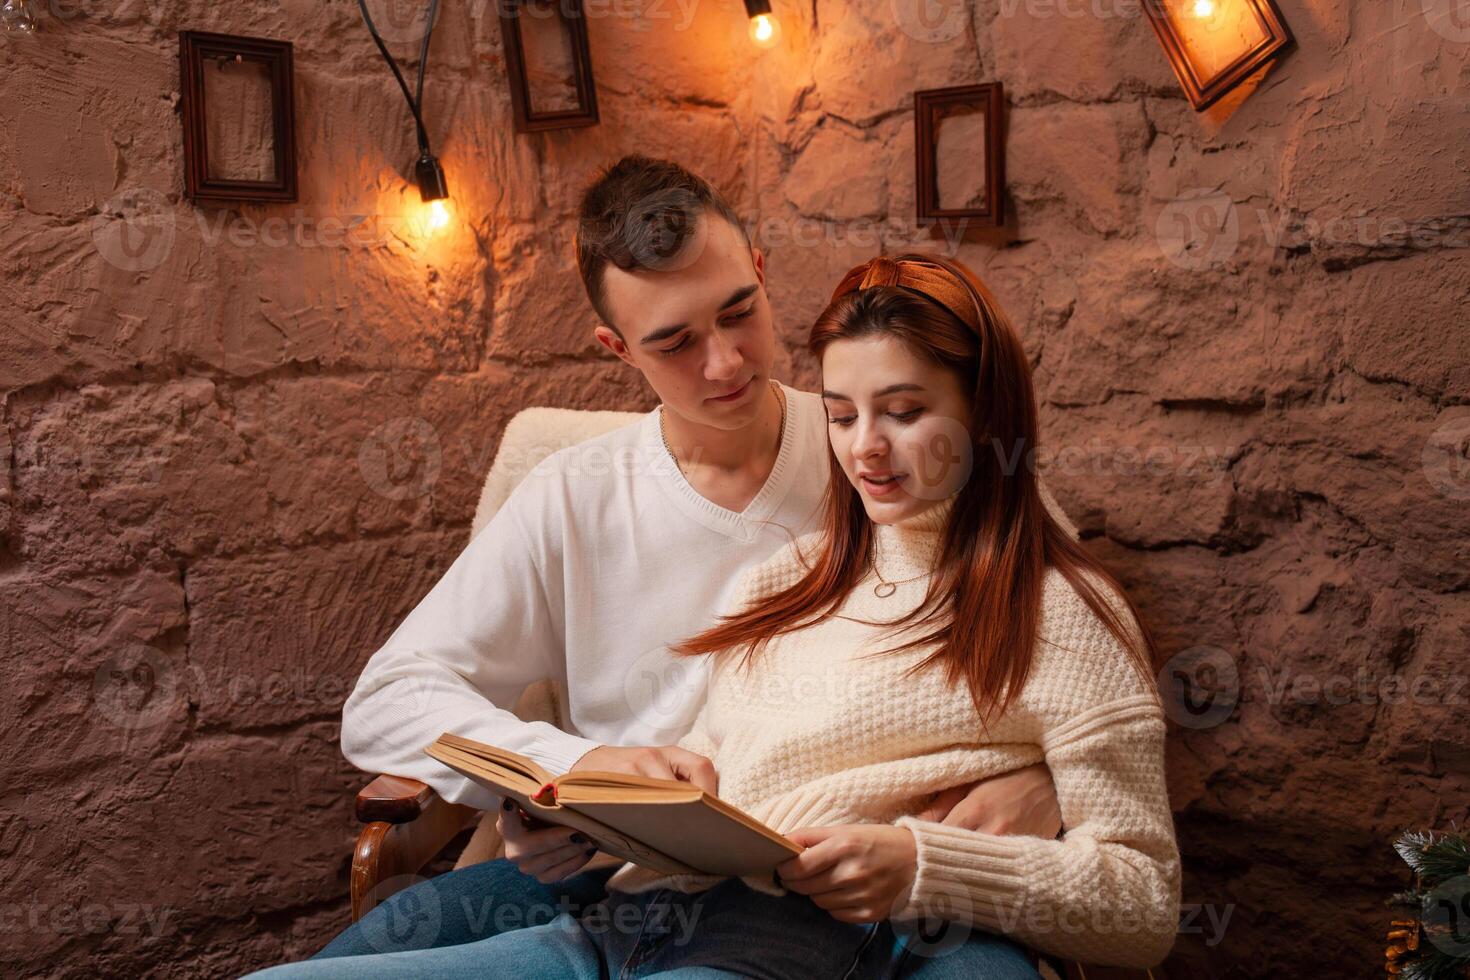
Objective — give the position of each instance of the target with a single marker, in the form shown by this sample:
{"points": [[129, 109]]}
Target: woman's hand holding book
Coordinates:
{"points": [[858, 872], [547, 852]]}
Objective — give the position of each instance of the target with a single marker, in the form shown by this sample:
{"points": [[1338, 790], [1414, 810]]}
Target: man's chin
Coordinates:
{"points": [[731, 416], [731, 419]]}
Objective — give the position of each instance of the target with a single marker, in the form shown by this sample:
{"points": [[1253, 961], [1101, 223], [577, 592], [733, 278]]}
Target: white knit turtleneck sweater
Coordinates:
{"points": [[813, 736]]}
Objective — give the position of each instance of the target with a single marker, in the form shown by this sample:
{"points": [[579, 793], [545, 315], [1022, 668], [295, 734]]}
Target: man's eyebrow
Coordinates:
{"points": [[664, 333], [891, 389]]}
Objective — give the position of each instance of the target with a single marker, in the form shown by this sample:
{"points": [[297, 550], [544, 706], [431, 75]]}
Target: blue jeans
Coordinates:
{"points": [[490, 920]]}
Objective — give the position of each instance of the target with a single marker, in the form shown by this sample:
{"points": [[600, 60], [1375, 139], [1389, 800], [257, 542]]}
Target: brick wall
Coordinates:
{"points": [[239, 444]]}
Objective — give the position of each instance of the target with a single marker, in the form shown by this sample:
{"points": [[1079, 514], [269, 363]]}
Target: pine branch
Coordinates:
{"points": [[1434, 858], [1432, 964], [1410, 900], [1411, 847]]}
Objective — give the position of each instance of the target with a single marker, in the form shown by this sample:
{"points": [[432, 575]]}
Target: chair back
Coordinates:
{"points": [[531, 436]]}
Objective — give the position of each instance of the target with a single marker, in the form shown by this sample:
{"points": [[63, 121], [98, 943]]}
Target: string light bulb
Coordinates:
{"points": [[438, 215], [1204, 9], [428, 173], [433, 190], [765, 30]]}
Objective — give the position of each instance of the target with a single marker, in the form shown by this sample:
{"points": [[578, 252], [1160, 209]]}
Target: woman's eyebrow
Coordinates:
{"points": [[891, 389]]}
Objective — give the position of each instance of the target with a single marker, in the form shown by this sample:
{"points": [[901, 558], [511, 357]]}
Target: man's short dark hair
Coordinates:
{"points": [[639, 215]]}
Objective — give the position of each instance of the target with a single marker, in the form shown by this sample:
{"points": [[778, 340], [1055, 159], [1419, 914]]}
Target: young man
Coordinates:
{"points": [[588, 571]]}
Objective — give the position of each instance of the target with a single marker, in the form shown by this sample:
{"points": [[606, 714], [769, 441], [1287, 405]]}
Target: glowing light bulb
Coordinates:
{"points": [[765, 30], [438, 214], [1204, 8]]}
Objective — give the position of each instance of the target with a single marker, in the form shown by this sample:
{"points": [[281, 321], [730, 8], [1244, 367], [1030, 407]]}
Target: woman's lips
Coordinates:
{"points": [[876, 489], [734, 395]]}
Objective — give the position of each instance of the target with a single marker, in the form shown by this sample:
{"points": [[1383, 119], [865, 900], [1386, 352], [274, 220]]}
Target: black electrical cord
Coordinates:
{"points": [[418, 96], [415, 101]]}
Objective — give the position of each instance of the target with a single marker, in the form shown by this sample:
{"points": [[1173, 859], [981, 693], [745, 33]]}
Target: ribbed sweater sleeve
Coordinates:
{"points": [[1107, 892]]}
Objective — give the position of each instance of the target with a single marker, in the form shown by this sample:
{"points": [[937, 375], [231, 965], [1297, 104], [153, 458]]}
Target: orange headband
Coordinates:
{"points": [[929, 278]]}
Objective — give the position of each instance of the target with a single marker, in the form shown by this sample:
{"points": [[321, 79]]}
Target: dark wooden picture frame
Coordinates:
{"points": [[526, 118], [197, 50], [1205, 92], [930, 108]]}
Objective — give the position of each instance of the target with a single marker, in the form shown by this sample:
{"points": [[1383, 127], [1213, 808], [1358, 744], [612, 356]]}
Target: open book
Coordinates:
{"points": [[661, 824]]}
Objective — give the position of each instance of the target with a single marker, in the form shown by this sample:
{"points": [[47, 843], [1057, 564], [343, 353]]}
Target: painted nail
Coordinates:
{"points": [[507, 803], [578, 839], [591, 851]]}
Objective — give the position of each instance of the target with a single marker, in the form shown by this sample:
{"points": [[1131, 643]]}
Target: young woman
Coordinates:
{"points": [[942, 627]]}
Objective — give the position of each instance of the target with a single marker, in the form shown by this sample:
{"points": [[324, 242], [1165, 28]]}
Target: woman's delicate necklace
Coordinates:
{"points": [[780, 396], [886, 588]]}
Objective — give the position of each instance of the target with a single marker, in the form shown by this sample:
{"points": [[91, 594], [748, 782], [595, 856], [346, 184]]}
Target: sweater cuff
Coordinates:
{"points": [[963, 875], [556, 751]]}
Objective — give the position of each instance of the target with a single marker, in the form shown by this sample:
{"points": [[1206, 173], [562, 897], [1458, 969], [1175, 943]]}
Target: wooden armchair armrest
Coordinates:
{"points": [[393, 799], [408, 824]]}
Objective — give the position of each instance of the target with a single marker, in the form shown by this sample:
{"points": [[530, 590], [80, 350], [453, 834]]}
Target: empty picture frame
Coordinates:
{"points": [[959, 153], [1214, 45], [549, 64], [239, 118]]}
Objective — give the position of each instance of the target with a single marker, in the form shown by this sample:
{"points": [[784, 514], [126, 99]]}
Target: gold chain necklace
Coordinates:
{"points": [[780, 396], [886, 588]]}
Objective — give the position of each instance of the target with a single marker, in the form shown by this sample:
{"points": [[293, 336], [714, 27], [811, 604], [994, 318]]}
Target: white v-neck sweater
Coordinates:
{"points": [[813, 736], [599, 558]]}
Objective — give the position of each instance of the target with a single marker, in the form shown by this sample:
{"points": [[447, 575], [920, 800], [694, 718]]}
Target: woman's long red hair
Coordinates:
{"points": [[983, 606]]}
